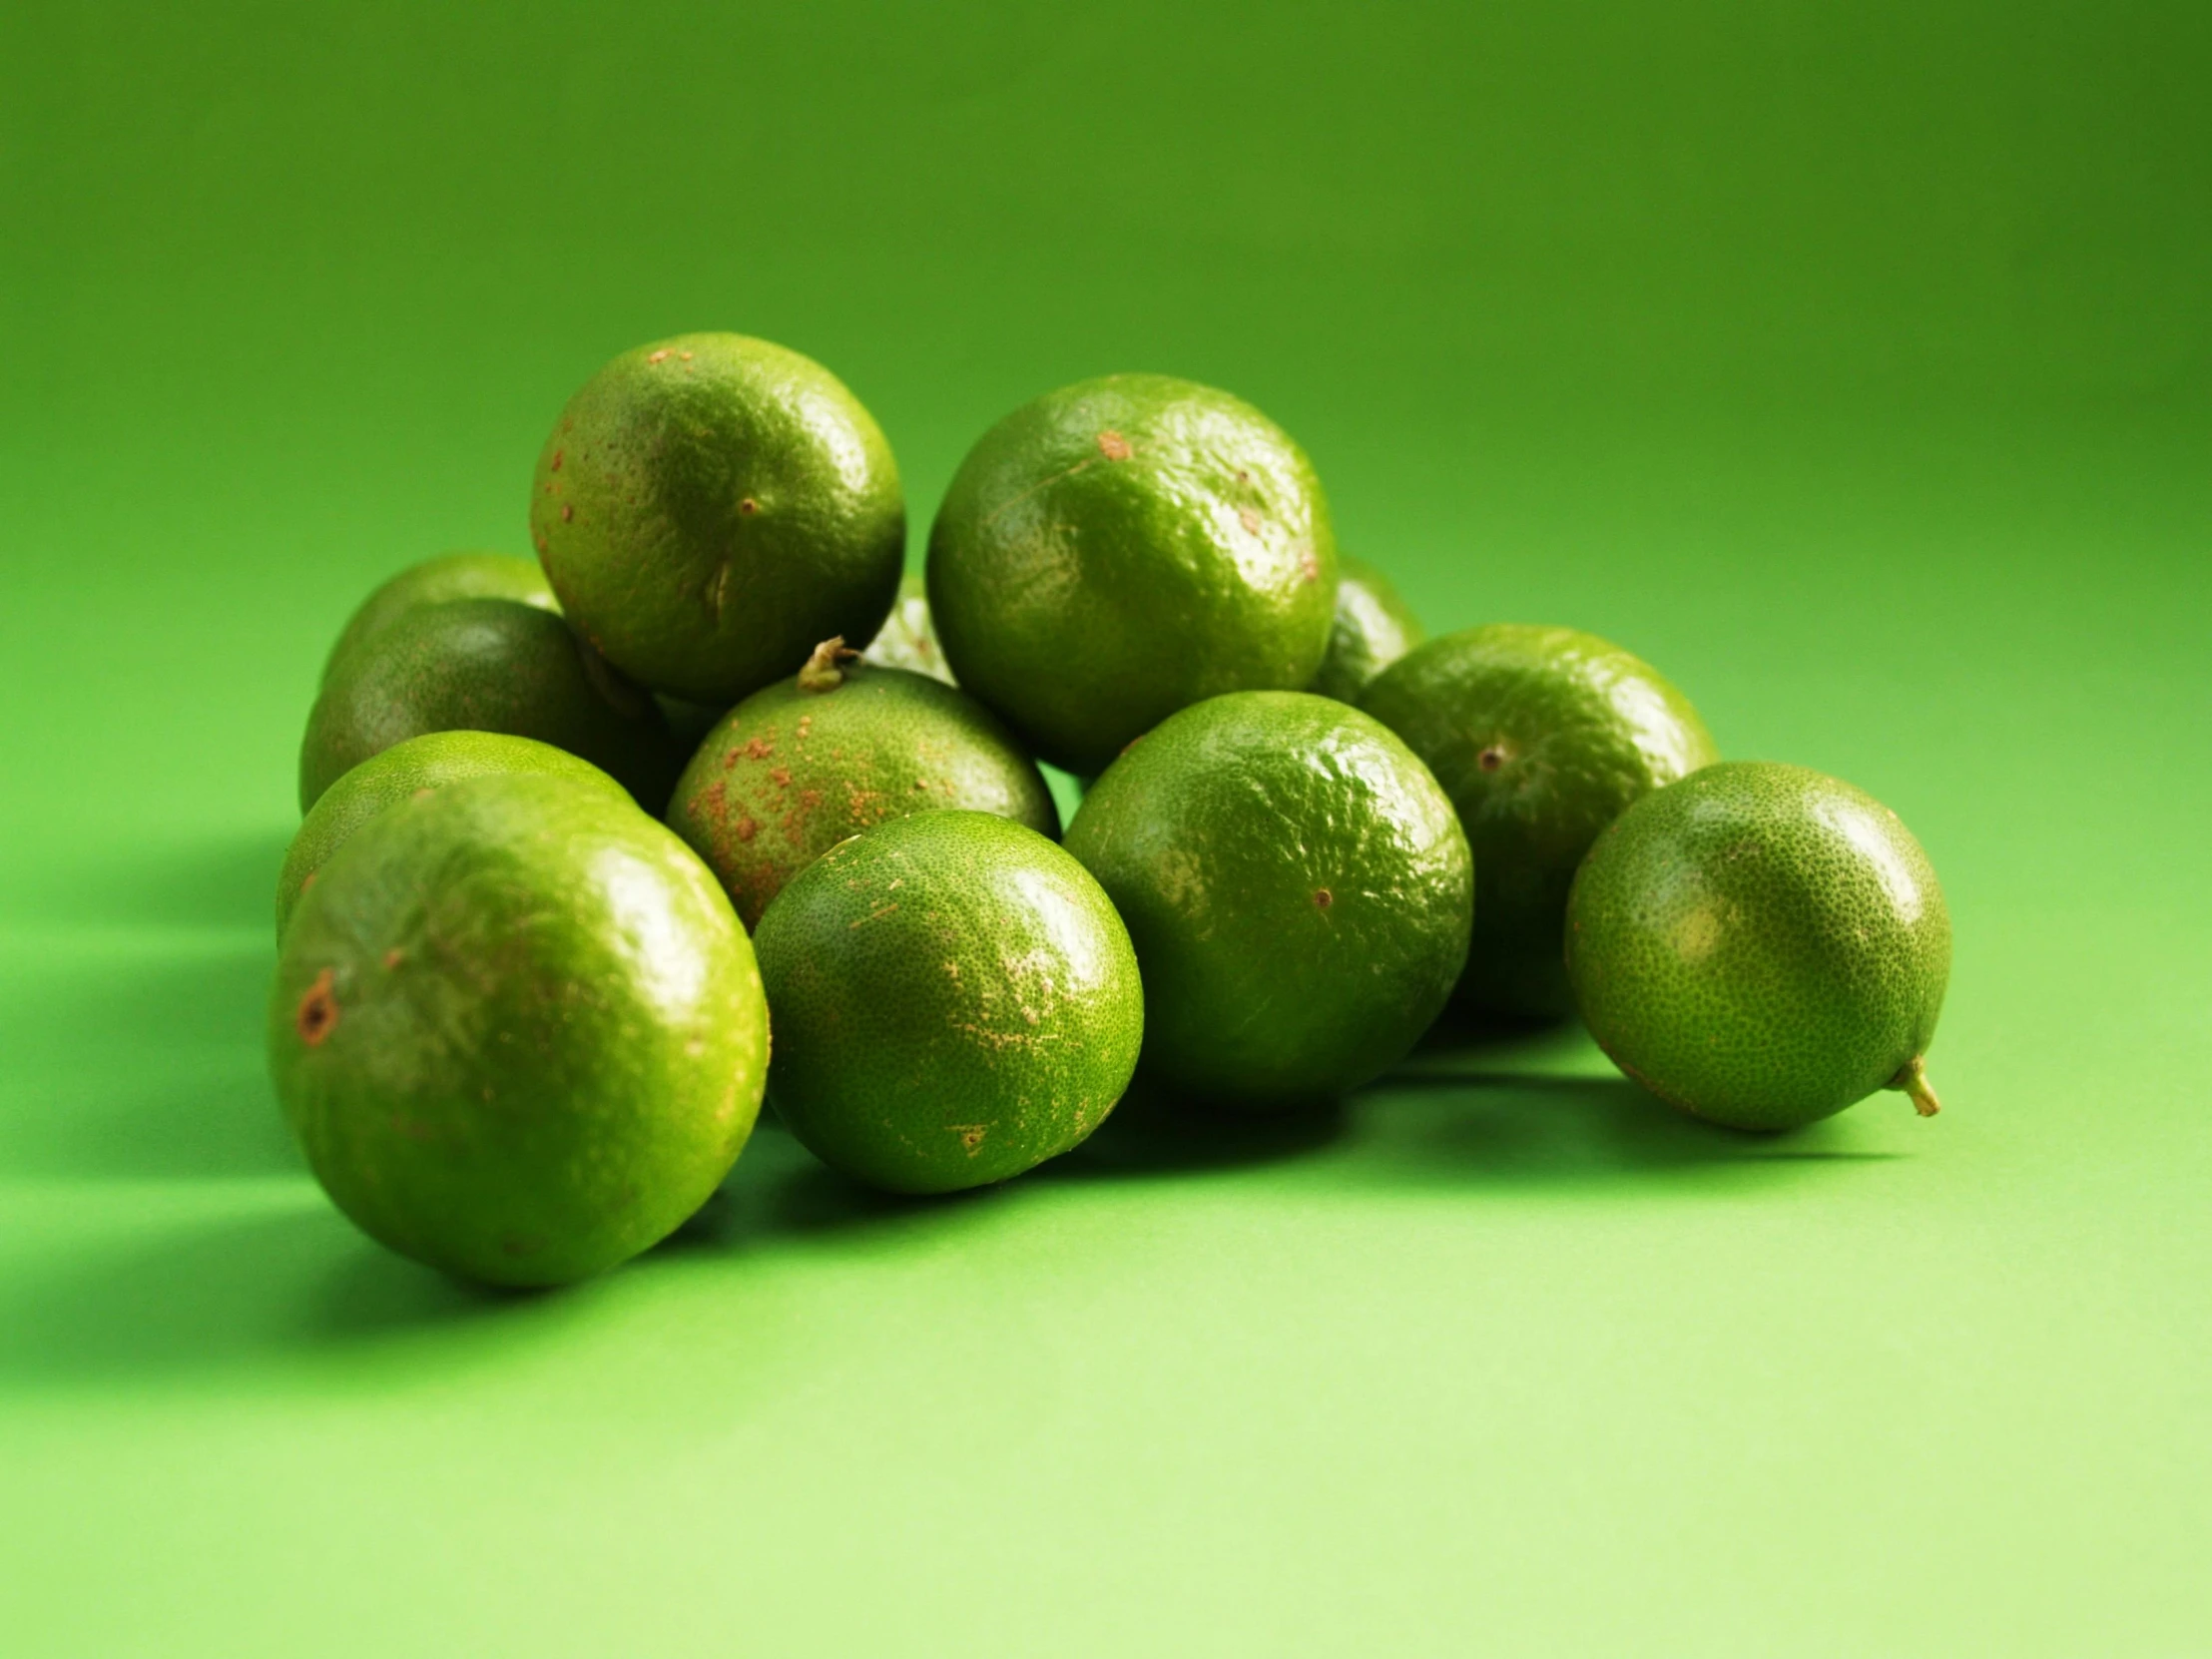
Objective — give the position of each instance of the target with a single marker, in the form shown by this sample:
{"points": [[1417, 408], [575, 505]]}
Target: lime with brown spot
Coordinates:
{"points": [[401, 773], [517, 1029], [1762, 945], [1374, 626], [1297, 890], [440, 581], [843, 745], [710, 506], [1541, 737], [485, 665], [1122, 548], [956, 1001]]}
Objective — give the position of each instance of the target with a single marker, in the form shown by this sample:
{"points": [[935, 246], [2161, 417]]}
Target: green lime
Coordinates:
{"points": [[1762, 945], [440, 581], [517, 1029], [956, 1001], [1296, 886], [1373, 628], [1541, 737], [909, 639], [1122, 548], [710, 506], [841, 748], [484, 665], [403, 772]]}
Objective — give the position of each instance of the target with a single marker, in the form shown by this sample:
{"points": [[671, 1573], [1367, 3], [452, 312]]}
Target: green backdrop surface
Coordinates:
{"points": [[1852, 363]]}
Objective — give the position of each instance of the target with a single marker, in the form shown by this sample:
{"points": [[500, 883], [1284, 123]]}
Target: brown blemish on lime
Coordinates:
{"points": [[568, 511], [394, 957], [759, 749], [1322, 897], [659, 356], [314, 875], [556, 466], [1309, 565], [971, 1135], [748, 507], [1114, 446], [319, 1012], [781, 776], [1250, 521], [540, 539], [1491, 757], [748, 828]]}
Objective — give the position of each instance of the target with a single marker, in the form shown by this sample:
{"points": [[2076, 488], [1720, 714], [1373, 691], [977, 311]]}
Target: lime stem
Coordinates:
{"points": [[821, 672], [1913, 1081]]}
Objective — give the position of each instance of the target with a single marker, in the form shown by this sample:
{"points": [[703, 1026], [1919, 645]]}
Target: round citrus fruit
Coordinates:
{"points": [[517, 1029], [1761, 945], [1296, 887], [710, 506], [1374, 626], [909, 639], [956, 1001], [1122, 548], [841, 748], [439, 581], [1541, 737], [484, 665], [404, 771]]}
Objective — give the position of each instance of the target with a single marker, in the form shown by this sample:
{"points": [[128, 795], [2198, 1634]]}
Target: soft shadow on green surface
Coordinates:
{"points": [[227, 1291], [212, 881], [125, 1063]]}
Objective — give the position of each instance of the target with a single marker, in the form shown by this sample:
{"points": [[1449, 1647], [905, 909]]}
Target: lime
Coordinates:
{"points": [[403, 772], [956, 1001], [1296, 886], [517, 1029], [484, 665], [841, 748], [1120, 549], [710, 506], [1372, 629], [1762, 945], [439, 581], [1541, 737], [909, 637]]}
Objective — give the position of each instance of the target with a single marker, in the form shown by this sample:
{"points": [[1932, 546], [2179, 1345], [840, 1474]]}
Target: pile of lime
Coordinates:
{"points": [[584, 834]]}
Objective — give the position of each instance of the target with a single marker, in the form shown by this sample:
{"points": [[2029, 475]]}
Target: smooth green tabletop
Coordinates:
{"points": [[1851, 365]]}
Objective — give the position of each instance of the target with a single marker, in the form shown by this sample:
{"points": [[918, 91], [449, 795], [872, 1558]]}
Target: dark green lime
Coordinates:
{"points": [[710, 506], [956, 1001], [837, 749], [517, 1029], [440, 581], [485, 665], [1374, 626], [1296, 886], [1541, 737], [1762, 945], [1122, 548]]}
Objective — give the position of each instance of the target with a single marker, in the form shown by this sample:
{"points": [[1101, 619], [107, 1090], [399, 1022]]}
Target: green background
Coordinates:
{"points": [[1850, 362]]}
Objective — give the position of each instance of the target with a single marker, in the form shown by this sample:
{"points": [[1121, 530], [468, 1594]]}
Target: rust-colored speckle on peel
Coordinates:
{"points": [[748, 828], [556, 466], [568, 511], [319, 1012], [748, 507], [1491, 757], [659, 357], [781, 776], [760, 749], [1309, 565], [539, 538], [1250, 521], [1322, 897], [394, 957], [1114, 446]]}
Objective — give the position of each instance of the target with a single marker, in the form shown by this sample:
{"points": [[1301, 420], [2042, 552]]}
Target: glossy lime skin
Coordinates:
{"points": [[710, 507], [517, 1030], [1374, 626], [407, 770], [956, 1001], [1122, 548], [910, 637], [1759, 945], [485, 665], [1541, 737], [440, 581], [789, 772], [1297, 890]]}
